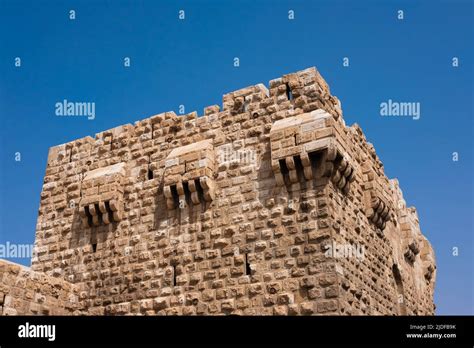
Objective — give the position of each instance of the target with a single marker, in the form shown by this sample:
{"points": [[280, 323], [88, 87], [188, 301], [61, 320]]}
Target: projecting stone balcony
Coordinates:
{"points": [[378, 209], [310, 145], [102, 196], [189, 175], [411, 251]]}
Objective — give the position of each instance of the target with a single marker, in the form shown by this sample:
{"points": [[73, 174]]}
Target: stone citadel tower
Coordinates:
{"points": [[270, 206]]}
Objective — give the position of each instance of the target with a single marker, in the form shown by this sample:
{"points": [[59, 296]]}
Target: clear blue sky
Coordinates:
{"points": [[190, 62]]}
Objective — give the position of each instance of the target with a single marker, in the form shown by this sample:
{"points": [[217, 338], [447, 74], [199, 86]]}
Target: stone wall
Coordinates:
{"points": [[234, 212], [25, 292]]}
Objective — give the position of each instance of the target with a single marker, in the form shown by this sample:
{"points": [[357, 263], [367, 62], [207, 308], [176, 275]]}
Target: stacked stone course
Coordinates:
{"points": [[26, 292], [149, 219]]}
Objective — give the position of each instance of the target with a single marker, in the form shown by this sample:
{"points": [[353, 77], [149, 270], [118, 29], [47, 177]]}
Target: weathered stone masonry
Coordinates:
{"points": [[151, 219]]}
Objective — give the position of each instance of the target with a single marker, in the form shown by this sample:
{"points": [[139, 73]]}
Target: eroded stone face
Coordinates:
{"points": [[159, 218]]}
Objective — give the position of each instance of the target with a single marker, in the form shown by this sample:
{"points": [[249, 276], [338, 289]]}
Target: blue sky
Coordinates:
{"points": [[190, 62]]}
